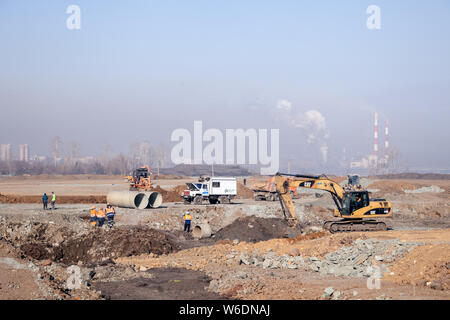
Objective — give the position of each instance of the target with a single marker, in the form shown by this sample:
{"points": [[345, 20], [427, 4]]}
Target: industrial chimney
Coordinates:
{"points": [[386, 141], [375, 135]]}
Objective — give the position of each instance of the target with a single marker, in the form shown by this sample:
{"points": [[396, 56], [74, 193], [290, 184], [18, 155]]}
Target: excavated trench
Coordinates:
{"points": [[46, 241], [43, 241]]}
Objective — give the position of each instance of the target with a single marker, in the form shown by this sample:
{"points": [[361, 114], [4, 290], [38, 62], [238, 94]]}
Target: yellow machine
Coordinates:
{"points": [[354, 206], [140, 179]]}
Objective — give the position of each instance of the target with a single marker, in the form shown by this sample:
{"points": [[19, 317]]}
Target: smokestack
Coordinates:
{"points": [[375, 144], [386, 136]]}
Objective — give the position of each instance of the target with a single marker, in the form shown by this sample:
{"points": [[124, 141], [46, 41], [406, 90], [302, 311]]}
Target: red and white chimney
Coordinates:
{"points": [[375, 136], [386, 143]]}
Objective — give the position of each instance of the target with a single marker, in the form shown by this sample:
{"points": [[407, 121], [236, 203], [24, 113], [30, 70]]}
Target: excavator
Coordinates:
{"points": [[355, 208], [269, 193], [140, 179]]}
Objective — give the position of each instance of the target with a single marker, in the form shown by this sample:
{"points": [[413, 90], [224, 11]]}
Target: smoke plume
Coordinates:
{"points": [[311, 121]]}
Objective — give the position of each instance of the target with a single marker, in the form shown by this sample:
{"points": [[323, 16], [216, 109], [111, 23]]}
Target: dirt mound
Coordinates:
{"points": [[412, 175], [392, 186], [168, 195], [46, 241], [6, 198], [179, 189], [253, 229], [243, 192], [168, 177], [427, 265]]}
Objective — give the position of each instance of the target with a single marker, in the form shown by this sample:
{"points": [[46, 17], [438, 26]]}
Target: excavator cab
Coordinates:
{"points": [[140, 179], [140, 173], [354, 200]]}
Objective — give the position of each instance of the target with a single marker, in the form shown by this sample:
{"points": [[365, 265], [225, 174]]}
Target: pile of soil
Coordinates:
{"points": [[429, 264], [397, 187], [179, 189], [42, 241], [168, 177], [253, 229], [412, 175], [6, 198], [168, 195], [243, 192]]}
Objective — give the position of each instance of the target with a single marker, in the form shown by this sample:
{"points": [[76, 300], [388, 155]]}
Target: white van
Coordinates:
{"points": [[215, 190]]}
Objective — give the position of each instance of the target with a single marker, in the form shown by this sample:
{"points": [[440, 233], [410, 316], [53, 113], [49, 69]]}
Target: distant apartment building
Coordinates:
{"points": [[23, 152], [5, 152]]}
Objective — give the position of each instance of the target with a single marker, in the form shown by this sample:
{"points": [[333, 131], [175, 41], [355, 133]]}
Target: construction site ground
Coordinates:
{"points": [[252, 253]]}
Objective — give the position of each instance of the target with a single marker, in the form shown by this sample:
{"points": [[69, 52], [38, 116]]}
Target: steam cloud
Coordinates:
{"points": [[312, 121]]}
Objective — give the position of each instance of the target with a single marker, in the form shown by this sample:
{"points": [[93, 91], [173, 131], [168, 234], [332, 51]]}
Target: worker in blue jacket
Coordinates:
{"points": [[45, 200]]}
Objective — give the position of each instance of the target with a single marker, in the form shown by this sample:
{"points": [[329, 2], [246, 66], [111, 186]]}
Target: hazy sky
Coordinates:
{"points": [[137, 70]]}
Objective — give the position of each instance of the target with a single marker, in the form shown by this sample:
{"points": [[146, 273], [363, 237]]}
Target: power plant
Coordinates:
{"points": [[375, 160]]}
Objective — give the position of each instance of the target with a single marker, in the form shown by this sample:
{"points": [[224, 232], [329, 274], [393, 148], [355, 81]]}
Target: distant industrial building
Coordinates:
{"points": [[5, 152], [373, 160], [23, 152]]}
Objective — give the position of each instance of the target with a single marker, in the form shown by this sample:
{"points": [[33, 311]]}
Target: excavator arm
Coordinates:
{"points": [[322, 182]]}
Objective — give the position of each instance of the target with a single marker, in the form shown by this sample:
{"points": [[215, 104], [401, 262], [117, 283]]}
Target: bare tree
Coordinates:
{"points": [[395, 162], [161, 155], [73, 151], [56, 148], [145, 153], [118, 165], [105, 154]]}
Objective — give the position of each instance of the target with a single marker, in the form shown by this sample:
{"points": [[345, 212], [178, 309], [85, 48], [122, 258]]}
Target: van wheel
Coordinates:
{"points": [[224, 199], [198, 200]]}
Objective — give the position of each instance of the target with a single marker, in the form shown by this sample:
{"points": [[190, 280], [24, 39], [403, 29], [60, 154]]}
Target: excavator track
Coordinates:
{"points": [[354, 225]]}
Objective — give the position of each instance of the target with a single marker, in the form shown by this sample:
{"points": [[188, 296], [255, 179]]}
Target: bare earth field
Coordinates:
{"points": [[148, 256]]}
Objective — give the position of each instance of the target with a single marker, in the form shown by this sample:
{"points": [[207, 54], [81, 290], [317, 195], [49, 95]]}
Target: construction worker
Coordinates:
{"points": [[93, 216], [53, 200], [100, 217], [45, 200], [187, 221], [110, 213]]}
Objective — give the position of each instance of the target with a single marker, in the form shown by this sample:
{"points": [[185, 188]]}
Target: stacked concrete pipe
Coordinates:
{"points": [[128, 199], [154, 199]]}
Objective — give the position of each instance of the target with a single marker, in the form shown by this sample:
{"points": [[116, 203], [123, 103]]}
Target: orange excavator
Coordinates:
{"points": [[358, 212], [270, 193], [140, 179]]}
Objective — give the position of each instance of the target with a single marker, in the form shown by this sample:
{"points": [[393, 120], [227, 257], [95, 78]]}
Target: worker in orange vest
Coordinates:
{"points": [[93, 216], [187, 221], [100, 217], [110, 213]]}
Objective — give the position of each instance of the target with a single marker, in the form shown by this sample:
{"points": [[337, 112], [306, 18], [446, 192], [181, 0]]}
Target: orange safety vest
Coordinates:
{"points": [[110, 210], [93, 212], [187, 217], [100, 214]]}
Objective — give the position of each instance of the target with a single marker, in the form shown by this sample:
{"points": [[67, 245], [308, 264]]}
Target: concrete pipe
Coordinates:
{"points": [[128, 199], [202, 230], [154, 199]]}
